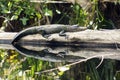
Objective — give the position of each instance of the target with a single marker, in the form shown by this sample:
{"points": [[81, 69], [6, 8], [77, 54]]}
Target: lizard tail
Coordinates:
{"points": [[23, 33]]}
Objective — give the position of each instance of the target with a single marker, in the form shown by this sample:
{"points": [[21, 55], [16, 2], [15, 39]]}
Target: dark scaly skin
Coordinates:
{"points": [[46, 30]]}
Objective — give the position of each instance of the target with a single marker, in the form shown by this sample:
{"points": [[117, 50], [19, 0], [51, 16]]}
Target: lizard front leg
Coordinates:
{"points": [[62, 33]]}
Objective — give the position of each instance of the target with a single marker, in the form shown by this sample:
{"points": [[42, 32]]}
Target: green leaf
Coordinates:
{"points": [[77, 7], [48, 12], [14, 17], [6, 11], [18, 11], [9, 4], [38, 15], [61, 73], [24, 20], [88, 77]]}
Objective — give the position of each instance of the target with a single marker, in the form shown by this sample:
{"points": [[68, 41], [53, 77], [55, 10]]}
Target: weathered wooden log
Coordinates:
{"points": [[5, 40], [87, 38], [79, 53], [84, 44]]}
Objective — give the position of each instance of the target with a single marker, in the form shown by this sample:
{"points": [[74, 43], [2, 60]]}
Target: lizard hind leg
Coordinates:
{"points": [[44, 34]]}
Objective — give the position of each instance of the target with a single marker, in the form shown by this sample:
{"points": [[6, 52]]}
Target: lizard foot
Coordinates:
{"points": [[67, 37], [61, 54], [62, 33]]}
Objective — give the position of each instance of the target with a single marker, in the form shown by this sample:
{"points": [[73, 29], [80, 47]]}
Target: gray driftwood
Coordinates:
{"points": [[86, 43], [87, 38]]}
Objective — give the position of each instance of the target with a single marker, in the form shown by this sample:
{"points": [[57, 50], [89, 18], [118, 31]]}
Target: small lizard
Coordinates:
{"points": [[46, 30]]}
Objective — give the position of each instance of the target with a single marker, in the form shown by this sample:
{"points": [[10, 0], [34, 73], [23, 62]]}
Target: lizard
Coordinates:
{"points": [[46, 55], [46, 30]]}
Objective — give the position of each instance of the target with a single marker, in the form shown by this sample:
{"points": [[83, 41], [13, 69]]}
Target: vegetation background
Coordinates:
{"points": [[16, 15]]}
